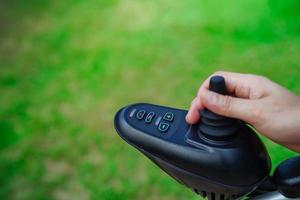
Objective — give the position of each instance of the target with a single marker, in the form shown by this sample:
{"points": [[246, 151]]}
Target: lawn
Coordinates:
{"points": [[67, 66]]}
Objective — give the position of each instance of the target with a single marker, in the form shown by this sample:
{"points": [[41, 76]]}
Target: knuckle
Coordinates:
{"points": [[226, 103], [253, 77], [218, 72], [257, 116], [242, 90], [263, 78], [257, 77]]}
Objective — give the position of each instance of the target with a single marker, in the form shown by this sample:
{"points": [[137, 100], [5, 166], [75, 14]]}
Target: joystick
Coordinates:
{"points": [[219, 158], [214, 126]]}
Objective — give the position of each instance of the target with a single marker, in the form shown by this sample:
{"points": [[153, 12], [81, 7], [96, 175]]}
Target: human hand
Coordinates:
{"points": [[269, 108]]}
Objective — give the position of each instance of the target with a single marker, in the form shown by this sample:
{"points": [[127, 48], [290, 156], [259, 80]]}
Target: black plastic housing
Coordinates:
{"points": [[287, 177], [223, 168]]}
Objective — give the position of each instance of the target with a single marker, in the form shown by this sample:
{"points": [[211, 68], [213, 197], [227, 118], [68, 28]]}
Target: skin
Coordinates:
{"points": [[271, 109]]}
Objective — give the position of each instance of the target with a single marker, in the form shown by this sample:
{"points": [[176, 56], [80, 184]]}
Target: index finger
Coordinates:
{"points": [[237, 84]]}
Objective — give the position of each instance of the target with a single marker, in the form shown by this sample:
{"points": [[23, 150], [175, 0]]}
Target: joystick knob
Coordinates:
{"points": [[214, 126], [217, 84]]}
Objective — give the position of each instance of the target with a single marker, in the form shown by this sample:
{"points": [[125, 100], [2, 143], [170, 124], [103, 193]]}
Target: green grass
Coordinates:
{"points": [[67, 66]]}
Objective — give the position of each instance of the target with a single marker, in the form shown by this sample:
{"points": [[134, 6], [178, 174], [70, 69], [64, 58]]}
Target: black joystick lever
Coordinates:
{"points": [[219, 158], [214, 126]]}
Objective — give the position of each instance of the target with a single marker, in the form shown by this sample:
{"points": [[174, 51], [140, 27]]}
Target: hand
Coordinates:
{"points": [[269, 108]]}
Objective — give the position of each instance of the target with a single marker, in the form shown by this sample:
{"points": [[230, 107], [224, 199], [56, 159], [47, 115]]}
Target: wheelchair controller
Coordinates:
{"points": [[219, 158]]}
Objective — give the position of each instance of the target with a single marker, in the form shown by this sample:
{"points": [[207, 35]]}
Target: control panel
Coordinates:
{"points": [[155, 120], [219, 157]]}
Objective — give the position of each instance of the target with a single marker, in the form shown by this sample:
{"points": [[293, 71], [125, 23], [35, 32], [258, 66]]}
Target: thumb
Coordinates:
{"points": [[228, 106]]}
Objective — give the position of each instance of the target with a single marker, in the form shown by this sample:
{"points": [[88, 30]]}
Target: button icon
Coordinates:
{"points": [[149, 117], [132, 113], [163, 127], [140, 114], [169, 116], [157, 121]]}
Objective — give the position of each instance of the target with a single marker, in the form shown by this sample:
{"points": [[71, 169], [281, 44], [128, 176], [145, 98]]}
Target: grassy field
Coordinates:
{"points": [[67, 66]]}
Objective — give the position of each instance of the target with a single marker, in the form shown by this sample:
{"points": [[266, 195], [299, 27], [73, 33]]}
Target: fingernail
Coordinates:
{"points": [[187, 117]]}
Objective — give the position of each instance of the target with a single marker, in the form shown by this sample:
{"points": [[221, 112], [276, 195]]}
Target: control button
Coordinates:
{"points": [[157, 121], [140, 114], [163, 127], [169, 116], [132, 113], [149, 117]]}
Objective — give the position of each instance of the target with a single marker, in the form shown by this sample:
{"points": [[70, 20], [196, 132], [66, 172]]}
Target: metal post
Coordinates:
{"points": [[272, 196]]}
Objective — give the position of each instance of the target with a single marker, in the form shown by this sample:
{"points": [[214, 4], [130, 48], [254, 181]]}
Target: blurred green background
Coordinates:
{"points": [[67, 66]]}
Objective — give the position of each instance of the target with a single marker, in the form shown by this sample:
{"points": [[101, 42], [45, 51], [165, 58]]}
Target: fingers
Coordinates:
{"points": [[193, 115], [242, 86], [239, 85], [229, 106]]}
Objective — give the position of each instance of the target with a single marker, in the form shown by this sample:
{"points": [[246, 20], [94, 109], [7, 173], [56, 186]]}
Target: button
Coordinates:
{"points": [[157, 121], [149, 117], [132, 113], [140, 114], [169, 116], [163, 127]]}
